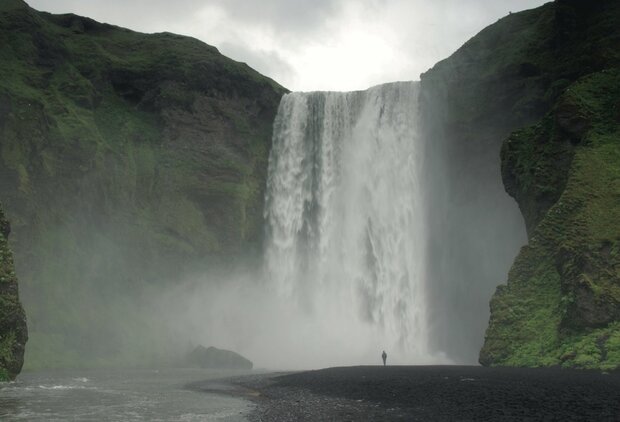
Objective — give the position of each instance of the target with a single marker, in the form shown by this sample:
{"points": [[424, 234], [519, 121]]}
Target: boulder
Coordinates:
{"points": [[211, 357]]}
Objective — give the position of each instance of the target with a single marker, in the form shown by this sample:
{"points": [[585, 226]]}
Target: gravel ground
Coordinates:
{"points": [[429, 393]]}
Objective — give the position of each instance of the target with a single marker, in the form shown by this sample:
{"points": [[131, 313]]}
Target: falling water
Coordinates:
{"points": [[345, 215]]}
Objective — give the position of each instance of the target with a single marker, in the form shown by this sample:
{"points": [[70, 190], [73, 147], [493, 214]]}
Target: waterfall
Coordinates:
{"points": [[346, 243], [385, 229]]}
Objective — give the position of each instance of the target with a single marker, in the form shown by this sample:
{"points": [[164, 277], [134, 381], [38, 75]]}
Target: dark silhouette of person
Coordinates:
{"points": [[384, 357]]}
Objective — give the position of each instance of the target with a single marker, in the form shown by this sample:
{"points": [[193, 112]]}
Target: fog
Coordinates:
{"points": [[244, 315], [476, 232]]}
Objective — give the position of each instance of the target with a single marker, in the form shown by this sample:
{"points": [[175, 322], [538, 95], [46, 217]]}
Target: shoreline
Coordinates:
{"points": [[426, 393]]}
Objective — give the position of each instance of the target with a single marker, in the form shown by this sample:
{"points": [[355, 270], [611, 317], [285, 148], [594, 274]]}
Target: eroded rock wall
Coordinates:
{"points": [[13, 330]]}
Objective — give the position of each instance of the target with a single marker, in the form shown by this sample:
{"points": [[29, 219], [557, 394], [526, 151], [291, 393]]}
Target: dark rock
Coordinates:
{"points": [[432, 393], [571, 120], [13, 330], [528, 70], [214, 358]]}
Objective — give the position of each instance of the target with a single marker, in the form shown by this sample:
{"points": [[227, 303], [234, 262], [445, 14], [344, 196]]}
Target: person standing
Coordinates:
{"points": [[384, 357]]}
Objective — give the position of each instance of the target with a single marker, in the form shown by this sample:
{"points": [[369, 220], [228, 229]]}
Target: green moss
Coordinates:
{"points": [[536, 74], [527, 313], [6, 346], [575, 319], [13, 332]]}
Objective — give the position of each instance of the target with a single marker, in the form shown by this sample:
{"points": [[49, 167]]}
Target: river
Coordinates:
{"points": [[117, 395]]}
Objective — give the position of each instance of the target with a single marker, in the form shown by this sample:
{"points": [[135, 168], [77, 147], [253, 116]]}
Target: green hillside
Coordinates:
{"points": [[551, 76], [126, 160]]}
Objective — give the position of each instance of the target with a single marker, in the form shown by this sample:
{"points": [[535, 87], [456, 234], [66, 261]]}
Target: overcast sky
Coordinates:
{"points": [[309, 45]]}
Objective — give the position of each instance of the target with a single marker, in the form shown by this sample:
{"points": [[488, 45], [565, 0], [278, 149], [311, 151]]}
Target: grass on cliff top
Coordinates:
{"points": [[561, 40], [171, 56], [512, 72]]}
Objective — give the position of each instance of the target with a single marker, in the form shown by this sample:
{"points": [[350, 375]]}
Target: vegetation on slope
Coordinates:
{"points": [[13, 330], [562, 302], [126, 160], [551, 75]]}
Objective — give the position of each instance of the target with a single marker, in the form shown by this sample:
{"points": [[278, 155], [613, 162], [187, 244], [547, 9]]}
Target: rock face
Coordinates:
{"points": [[13, 330], [126, 160], [546, 83], [217, 359], [563, 294]]}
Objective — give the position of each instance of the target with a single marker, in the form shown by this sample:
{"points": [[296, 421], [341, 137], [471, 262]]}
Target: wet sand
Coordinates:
{"points": [[433, 393]]}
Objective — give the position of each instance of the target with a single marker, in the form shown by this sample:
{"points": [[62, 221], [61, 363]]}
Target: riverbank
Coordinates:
{"points": [[431, 393]]}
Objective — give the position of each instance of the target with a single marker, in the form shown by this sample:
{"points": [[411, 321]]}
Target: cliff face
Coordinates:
{"points": [[562, 301], [13, 330], [549, 76], [125, 160]]}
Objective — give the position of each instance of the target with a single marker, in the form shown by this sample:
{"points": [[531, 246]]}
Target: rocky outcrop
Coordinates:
{"points": [[127, 160], [13, 330], [214, 358], [545, 82], [562, 301]]}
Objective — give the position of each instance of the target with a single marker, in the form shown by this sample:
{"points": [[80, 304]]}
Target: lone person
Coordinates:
{"points": [[384, 357]]}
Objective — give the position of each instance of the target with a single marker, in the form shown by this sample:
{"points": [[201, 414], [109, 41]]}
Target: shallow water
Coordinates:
{"points": [[117, 395]]}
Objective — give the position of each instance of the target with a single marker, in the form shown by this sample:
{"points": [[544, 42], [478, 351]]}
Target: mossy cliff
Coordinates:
{"points": [[551, 76], [13, 330], [563, 293], [126, 160]]}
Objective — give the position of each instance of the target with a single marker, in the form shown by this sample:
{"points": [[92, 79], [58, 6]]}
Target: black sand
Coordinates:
{"points": [[433, 393]]}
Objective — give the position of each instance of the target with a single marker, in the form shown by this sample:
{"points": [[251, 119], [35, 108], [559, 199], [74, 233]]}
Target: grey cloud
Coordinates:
{"points": [[426, 32], [268, 63], [134, 9], [285, 15]]}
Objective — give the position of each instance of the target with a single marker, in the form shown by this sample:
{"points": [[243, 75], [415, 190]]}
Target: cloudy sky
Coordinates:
{"points": [[312, 44]]}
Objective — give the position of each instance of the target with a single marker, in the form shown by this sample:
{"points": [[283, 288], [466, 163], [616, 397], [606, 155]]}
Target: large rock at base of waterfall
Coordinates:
{"points": [[211, 357]]}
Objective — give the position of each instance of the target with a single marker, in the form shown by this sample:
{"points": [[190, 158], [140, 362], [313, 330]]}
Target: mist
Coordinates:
{"points": [[364, 250], [244, 315], [381, 232]]}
